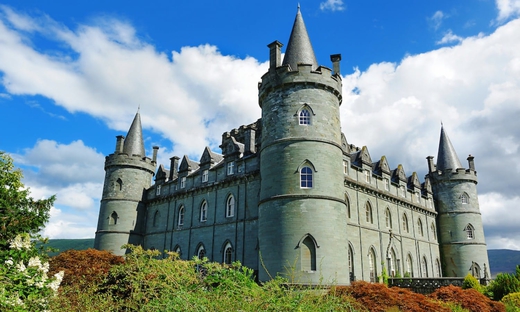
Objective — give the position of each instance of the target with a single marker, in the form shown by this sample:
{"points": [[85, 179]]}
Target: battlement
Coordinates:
{"points": [[450, 174], [123, 159]]}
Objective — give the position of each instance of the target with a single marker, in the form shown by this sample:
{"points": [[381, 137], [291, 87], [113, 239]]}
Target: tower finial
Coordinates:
{"points": [[299, 49], [298, 6]]}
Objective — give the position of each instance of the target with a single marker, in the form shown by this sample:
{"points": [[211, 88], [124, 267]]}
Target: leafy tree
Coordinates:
{"points": [[19, 212]]}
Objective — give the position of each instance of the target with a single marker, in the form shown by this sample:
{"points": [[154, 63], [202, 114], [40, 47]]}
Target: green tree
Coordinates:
{"points": [[19, 212]]}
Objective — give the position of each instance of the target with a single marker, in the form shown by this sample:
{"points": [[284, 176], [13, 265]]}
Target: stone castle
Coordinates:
{"points": [[290, 194]]}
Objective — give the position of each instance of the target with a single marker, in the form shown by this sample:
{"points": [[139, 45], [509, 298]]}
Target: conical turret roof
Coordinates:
{"points": [[299, 50], [134, 144], [447, 157]]}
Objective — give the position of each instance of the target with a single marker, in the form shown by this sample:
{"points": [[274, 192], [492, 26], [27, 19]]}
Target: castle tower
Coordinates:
{"points": [[128, 172], [461, 234], [302, 212]]}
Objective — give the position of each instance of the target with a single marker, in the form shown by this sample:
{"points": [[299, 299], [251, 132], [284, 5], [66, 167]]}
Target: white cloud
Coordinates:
{"points": [[436, 19], [449, 37], [507, 9], [332, 5], [69, 225]]}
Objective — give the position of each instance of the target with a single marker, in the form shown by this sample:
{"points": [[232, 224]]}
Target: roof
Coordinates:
{"points": [[134, 144], [299, 50], [447, 157]]}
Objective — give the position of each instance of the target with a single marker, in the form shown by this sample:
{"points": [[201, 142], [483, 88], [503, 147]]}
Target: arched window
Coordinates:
{"points": [[420, 227], [437, 268], [112, 220], [470, 231], [368, 212], [230, 206], [351, 263], [306, 177], [308, 254], [393, 263], [434, 231], [119, 184], [156, 218], [388, 218], [228, 254], [405, 224], [347, 203], [178, 250], [464, 198], [424, 266], [180, 221], [305, 117], [409, 266], [201, 252], [203, 212], [372, 265], [475, 270]]}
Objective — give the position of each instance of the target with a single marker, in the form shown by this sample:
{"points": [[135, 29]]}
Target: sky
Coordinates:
{"points": [[74, 73]]}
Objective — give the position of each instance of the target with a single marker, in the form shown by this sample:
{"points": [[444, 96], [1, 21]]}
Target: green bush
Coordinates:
{"points": [[512, 302], [471, 282], [504, 284]]}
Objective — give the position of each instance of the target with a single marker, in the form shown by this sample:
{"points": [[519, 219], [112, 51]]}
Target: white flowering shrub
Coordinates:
{"points": [[24, 284]]}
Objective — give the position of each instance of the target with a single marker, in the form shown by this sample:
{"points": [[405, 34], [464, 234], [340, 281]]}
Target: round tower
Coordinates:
{"points": [[302, 213], [461, 233], [128, 172]]}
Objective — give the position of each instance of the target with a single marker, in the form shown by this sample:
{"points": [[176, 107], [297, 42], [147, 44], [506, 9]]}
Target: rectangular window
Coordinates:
{"points": [[231, 167], [403, 191], [158, 190], [387, 184], [367, 176], [205, 176], [183, 182], [345, 167]]}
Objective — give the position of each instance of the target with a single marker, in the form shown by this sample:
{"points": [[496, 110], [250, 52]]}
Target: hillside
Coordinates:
{"points": [[501, 260]]}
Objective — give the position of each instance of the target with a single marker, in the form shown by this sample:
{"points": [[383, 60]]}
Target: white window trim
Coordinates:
{"points": [[231, 168], [183, 182], [205, 174]]}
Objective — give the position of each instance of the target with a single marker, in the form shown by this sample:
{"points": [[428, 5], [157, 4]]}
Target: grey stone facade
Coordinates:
{"points": [[289, 195]]}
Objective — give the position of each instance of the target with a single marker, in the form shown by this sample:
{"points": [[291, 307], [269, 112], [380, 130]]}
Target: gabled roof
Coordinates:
{"points": [[188, 165], [299, 50], [344, 144], [134, 144], [381, 166], [398, 174], [210, 157], [447, 157], [413, 180]]}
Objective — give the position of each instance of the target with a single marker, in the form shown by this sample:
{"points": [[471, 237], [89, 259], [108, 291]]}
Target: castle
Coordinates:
{"points": [[289, 193]]}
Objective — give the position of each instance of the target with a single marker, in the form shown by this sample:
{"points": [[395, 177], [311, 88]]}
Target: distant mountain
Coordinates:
{"points": [[500, 260], [503, 260]]}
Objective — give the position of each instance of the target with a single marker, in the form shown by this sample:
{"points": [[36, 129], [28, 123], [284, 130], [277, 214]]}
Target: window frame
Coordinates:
{"points": [[306, 178], [304, 117], [180, 218], [203, 212], [230, 168], [183, 182], [205, 175], [230, 206]]}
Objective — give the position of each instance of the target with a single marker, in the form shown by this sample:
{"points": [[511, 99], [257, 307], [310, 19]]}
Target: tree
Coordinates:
{"points": [[19, 212]]}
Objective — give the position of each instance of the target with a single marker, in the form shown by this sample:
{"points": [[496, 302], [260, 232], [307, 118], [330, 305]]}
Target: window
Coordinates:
{"points": [[230, 206], [403, 191], [388, 218], [230, 168], [418, 197], [305, 117], [119, 183], [180, 221], [409, 266], [393, 263], [372, 265], [368, 210], [347, 203], [437, 268], [306, 177], [405, 223], [434, 231], [205, 176], [470, 231], [387, 184], [424, 266], [203, 212], [112, 220], [308, 254], [183, 182], [367, 176], [158, 190], [178, 250], [464, 198], [345, 167], [351, 263], [156, 218], [420, 227], [201, 252], [228, 254]]}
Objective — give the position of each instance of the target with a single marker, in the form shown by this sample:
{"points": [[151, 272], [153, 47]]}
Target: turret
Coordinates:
{"points": [[302, 206], [128, 172], [461, 234]]}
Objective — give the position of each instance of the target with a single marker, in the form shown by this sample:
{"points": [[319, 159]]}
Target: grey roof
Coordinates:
{"points": [[134, 144], [299, 50], [447, 157]]}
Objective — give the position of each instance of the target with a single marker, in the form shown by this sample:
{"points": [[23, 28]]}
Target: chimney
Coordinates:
{"points": [[249, 140], [431, 165], [275, 54], [120, 143], [335, 58], [174, 167], [154, 157], [471, 162]]}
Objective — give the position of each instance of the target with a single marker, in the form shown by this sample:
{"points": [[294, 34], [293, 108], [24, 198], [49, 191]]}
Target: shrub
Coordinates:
{"points": [[505, 283], [468, 299], [471, 282], [512, 301]]}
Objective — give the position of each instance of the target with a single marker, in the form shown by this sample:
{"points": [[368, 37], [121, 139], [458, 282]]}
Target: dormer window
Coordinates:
{"points": [[230, 168], [158, 190], [387, 184], [367, 176], [205, 176], [183, 182], [305, 117], [403, 191]]}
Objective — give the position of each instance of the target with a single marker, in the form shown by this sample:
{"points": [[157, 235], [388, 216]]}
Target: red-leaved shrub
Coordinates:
{"points": [[468, 298]]}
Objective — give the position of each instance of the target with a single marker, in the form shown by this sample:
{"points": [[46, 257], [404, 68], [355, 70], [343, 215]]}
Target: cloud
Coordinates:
{"points": [[109, 72], [436, 19], [69, 225], [507, 9], [449, 37], [474, 88], [332, 5]]}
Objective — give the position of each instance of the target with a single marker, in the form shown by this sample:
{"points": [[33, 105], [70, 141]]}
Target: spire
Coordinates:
{"points": [[134, 144], [447, 157], [299, 50]]}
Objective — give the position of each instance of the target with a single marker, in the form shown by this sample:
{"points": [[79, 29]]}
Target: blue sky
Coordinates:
{"points": [[72, 75]]}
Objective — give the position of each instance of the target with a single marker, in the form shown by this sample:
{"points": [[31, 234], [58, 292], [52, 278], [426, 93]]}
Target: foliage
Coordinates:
{"points": [[376, 297], [505, 283], [471, 282], [512, 301], [19, 213], [84, 267], [384, 274], [468, 299], [24, 284]]}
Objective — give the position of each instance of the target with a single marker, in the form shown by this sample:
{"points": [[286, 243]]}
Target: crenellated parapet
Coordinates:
{"points": [[134, 161]]}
